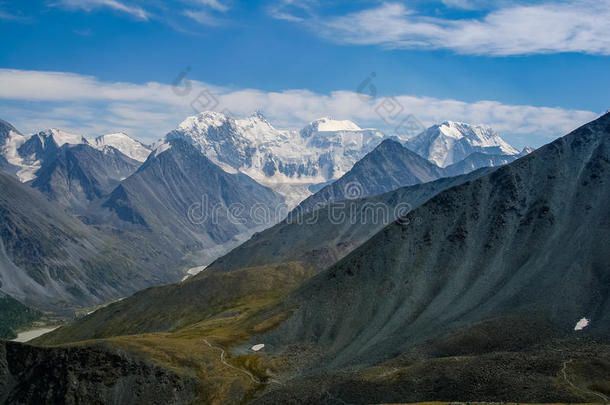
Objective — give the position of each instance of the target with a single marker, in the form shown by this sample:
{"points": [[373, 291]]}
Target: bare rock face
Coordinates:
{"points": [[86, 375]]}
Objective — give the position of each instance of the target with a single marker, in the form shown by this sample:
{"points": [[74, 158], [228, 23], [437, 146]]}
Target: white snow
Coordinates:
{"points": [[285, 160], [125, 144], [162, 148], [9, 151], [61, 137], [583, 323], [450, 142], [258, 347], [328, 124]]}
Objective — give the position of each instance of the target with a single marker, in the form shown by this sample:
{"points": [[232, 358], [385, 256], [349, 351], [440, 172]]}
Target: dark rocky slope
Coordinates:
{"points": [[187, 205], [55, 262], [79, 174], [388, 167], [323, 236], [528, 240]]}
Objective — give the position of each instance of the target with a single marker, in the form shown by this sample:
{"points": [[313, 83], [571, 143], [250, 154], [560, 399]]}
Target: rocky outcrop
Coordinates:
{"points": [[86, 375]]}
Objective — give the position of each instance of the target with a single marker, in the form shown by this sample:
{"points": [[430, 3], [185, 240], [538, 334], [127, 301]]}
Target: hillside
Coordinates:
{"points": [[471, 260], [55, 262], [388, 167]]}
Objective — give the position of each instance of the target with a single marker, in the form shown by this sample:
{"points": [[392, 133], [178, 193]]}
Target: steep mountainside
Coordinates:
{"points": [[55, 262], [322, 237], [388, 167], [450, 142], [189, 205], [529, 240], [79, 174]]}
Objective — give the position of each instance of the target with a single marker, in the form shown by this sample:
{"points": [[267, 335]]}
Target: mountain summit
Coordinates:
{"points": [[450, 142], [328, 124], [123, 143], [287, 161]]}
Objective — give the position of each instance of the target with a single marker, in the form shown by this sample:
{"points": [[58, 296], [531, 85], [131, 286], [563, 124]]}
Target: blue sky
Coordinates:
{"points": [[532, 70]]}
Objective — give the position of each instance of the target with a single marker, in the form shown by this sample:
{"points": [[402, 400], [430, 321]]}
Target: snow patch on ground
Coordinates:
{"points": [[258, 347], [583, 323]]}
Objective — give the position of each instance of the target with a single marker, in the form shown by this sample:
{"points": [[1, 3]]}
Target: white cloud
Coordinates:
{"points": [[551, 27], [202, 17], [214, 4], [35, 100], [89, 5]]}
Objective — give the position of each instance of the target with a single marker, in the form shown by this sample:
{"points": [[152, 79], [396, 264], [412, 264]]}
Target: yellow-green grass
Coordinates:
{"points": [[193, 347]]}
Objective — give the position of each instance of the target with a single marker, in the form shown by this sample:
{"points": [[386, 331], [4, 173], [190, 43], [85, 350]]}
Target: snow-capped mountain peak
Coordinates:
{"points": [[326, 124], [124, 143], [61, 137], [203, 121], [450, 142], [286, 160]]}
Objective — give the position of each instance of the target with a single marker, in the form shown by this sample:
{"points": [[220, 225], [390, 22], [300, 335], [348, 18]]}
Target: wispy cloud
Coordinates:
{"points": [[34, 100], [90, 5], [203, 17], [579, 26], [292, 10], [214, 4], [7, 14]]}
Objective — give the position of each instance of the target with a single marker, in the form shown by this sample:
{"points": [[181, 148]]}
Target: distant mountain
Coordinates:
{"points": [[23, 156], [527, 242], [78, 174], [10, 140], [56, 263], [189, 204], [287, 161], [477, 160], [123, 143], [450, 142], [388, 167]]}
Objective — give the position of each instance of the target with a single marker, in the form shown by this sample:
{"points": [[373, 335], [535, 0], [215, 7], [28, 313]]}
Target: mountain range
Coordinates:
{"points": [[494, 287], [287, 161], [199, 192]]}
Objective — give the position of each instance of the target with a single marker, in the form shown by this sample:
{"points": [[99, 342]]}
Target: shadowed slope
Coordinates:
{"points": [[323, 236], [529, 239], [388, 167]]}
